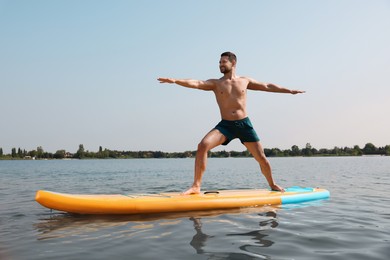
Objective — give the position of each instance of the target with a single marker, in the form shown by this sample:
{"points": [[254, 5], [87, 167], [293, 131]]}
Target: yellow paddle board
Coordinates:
{"points": [[174, 202]]}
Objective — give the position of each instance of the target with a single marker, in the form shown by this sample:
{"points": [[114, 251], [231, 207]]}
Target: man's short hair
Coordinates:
{"points": [[232, 57]]}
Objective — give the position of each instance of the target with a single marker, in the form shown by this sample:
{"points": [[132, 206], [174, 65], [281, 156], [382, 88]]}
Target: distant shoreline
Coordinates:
{"points": [[39, 154], [132, 158]]}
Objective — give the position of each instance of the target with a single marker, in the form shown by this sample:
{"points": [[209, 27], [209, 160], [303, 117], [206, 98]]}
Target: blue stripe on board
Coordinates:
{"points": [[303, 197], [299, 189]]}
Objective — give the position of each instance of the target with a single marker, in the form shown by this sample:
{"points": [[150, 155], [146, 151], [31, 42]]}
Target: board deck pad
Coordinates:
{"points": [[174, 201]]}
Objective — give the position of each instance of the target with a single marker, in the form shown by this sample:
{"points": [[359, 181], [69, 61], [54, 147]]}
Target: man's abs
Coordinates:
{"points": [[233, 114], [232, 108]]}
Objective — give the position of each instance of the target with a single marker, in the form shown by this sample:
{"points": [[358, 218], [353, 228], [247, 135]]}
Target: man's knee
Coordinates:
{"points": [[203, 146]]}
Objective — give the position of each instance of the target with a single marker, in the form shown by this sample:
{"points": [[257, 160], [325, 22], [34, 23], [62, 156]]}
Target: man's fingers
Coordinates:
{"points": [[164, 80]]}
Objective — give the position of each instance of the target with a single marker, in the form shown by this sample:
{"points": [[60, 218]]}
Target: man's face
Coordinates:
{"points": [[225, 66]]}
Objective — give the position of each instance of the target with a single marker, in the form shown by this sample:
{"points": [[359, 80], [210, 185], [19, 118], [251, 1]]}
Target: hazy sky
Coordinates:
{"points": [[84, 72]]}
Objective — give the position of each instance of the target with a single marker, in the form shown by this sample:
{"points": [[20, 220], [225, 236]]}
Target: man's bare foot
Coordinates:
{"points": [[276, 187], [192, 190]]}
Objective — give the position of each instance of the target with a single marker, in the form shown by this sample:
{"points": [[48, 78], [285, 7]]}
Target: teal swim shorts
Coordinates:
{"points": [[241, 129]]}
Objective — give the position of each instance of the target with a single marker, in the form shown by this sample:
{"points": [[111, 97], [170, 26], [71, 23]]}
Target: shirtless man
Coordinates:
{"points": [[230, 92]]}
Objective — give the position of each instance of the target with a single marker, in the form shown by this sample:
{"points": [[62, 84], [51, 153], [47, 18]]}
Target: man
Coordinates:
{"points": [[230, 92]]}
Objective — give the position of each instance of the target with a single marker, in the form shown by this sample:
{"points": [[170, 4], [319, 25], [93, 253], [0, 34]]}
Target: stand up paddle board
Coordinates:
{"points": [[174, 202]]}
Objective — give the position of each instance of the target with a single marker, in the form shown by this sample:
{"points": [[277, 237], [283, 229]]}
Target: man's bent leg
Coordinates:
{"points": [[211, 140], [256, 149]]}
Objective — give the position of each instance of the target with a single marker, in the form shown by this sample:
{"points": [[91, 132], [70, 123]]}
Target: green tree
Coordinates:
{"points": [[274, 152], [106, 153], [387, 149], [369, 148], [336, 151], [13, 152], [80, 152], [60, 154], [40, 152], [357, 151], [307, 151], [324, 151], [32, 153], [295, 151], [1, 151]]}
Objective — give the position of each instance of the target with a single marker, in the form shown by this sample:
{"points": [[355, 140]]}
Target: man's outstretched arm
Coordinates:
{"points": [[190, 83], [269, 87]]}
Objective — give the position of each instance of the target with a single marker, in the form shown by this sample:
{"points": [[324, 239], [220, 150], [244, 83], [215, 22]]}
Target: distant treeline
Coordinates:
{"points": [[39, 153]]}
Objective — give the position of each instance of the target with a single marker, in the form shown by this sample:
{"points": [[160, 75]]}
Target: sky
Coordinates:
{"points": [[85, 72]]}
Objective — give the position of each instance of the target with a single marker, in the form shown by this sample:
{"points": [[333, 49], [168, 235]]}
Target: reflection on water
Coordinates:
{"points": [[253, 238], [257, 235], [70, 227], [199, 239], [55, 225]]}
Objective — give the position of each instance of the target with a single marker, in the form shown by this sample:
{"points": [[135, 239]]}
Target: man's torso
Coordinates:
{"points": [[231, 97]]}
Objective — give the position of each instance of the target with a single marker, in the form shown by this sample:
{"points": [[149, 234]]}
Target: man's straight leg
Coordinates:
{"points": [[256, 149]]}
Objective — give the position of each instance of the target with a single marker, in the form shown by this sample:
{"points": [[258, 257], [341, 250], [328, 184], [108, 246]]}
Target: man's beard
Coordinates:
{"points": [[224, 70]]}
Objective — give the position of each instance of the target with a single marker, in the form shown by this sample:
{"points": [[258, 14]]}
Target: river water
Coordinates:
{"points": [[353, 224]]}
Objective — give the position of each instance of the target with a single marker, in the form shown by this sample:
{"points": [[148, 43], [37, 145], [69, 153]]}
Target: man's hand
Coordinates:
{"points": [[297, 92], [166, 80]]}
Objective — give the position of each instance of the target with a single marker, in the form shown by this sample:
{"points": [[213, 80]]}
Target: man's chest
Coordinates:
{"points": [[231, 88]]}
